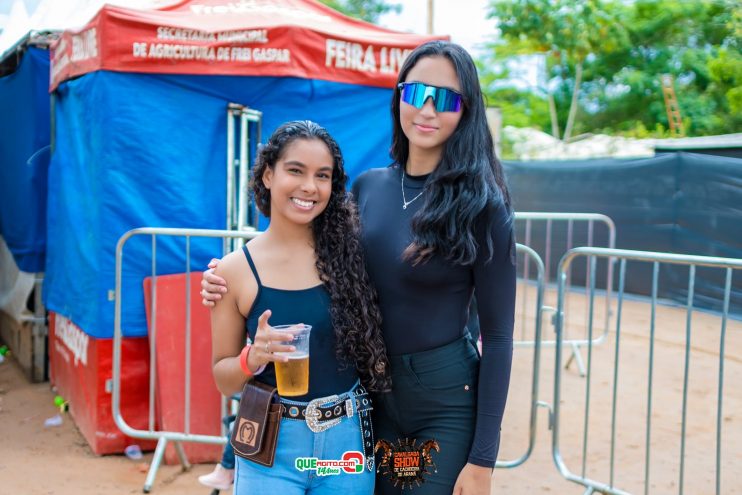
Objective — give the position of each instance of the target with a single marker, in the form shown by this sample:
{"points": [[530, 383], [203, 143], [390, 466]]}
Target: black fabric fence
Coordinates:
{"points": [[683, 203]]}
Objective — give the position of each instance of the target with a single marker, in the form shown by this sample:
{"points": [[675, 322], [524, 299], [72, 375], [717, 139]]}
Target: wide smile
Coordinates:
{"points": [[303, 204]]}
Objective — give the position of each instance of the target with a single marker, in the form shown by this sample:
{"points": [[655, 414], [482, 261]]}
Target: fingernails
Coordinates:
{"points": [[223, 289]]}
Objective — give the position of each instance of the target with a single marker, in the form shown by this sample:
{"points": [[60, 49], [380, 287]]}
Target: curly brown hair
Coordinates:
{"points": [[354, 306]]}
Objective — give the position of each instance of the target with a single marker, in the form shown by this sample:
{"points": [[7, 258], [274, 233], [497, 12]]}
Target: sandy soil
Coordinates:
{"points": [[632, 398], [57, 460]]}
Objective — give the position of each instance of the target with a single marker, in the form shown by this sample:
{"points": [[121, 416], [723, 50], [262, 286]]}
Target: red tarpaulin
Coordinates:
{"points": [[81, 372], [204, 405], [299, 38]]}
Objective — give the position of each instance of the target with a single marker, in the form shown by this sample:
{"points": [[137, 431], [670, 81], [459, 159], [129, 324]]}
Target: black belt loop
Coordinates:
{"points": [[367, 431]]}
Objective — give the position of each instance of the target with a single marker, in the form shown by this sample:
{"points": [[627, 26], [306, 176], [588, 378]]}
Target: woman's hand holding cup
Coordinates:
{"points": [[268, 344]]}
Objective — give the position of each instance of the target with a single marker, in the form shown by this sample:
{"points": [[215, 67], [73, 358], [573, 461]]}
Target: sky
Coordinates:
{"points": [[464, 20], [5, 6], [467, 24]]}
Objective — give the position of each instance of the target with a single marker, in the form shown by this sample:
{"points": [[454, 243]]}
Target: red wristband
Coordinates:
{"points": [[243, 360]]}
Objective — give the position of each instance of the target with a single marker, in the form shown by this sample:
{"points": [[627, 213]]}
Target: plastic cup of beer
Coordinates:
{"points": [[292, 377]]}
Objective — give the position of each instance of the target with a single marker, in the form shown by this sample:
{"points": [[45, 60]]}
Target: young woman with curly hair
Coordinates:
{"points": [[436, 230], [307, 267]]}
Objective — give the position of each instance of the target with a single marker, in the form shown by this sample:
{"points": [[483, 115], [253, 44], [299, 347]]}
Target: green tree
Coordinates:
{"points": [[619, 78], [725, 72], [692, 41], [368, 10], [567, 32], [519, 108]]}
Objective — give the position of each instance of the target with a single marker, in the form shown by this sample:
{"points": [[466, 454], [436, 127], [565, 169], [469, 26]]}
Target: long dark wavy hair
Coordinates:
{"points": [[354, 308], [468, 178]]}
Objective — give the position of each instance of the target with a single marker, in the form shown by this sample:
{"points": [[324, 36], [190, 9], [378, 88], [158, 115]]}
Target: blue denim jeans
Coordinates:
{"points": [[296, 440], [227, 461]]}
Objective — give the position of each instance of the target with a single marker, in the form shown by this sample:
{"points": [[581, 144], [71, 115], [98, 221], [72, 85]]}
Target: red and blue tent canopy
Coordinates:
{"points": [[140, 127], [290, 38]]}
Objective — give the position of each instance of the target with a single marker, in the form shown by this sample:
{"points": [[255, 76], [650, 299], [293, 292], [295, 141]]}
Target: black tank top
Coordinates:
{"points": [[312, 307]]}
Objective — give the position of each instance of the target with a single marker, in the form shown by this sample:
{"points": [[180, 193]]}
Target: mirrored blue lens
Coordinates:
{"points": [[444, 99]]}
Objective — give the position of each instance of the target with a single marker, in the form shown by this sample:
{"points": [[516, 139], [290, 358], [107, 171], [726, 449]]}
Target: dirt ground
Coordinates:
{"points": [[56, 460]]}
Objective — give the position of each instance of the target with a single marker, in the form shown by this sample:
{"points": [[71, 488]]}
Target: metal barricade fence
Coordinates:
{"points": [[618, 418], [152, 433], [528, 256], [550, 251], [244, 133], [40, 331]]}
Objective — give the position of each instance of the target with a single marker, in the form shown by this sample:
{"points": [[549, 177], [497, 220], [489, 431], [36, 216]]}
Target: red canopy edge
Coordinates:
{"points": [[299, 38]]}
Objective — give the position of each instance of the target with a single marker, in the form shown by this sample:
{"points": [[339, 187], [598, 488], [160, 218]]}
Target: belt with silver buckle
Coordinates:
{"points": [[323, 413]]}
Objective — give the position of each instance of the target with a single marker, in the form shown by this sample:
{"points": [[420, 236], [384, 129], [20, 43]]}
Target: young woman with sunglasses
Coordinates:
{"points": [[436, 229], [307, 267]]}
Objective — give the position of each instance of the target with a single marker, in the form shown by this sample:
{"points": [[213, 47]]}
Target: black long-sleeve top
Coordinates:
{"points": [[426, 306]]}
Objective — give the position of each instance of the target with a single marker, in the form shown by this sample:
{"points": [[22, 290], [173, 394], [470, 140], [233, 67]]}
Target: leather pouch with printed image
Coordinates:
{"points": [[255, 430]]}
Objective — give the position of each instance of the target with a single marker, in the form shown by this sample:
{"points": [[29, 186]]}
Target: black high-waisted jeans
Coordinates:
{"points": [[433, 397]]}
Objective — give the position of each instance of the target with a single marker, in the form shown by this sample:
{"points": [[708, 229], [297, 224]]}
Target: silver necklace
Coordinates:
{"points": [[406, 203]]}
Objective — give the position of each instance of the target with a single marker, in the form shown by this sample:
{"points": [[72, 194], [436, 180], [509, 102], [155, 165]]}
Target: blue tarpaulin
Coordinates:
{"points": [[135, 150], [24, 151]]}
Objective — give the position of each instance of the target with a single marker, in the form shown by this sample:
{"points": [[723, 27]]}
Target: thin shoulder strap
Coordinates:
{"points": [[252, 265]]}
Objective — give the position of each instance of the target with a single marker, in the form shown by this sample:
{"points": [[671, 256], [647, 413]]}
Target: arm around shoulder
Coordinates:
{"points": [[228, 328]]}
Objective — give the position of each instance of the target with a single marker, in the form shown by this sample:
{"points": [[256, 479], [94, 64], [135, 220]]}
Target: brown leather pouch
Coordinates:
{"points": [[255, 430]]}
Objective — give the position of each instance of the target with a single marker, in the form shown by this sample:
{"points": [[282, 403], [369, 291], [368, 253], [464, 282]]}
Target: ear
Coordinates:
{"points": [[267, 177]]}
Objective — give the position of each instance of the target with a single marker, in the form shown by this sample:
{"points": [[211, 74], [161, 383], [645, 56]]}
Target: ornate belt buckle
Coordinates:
{"points": [[314, 415]]}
